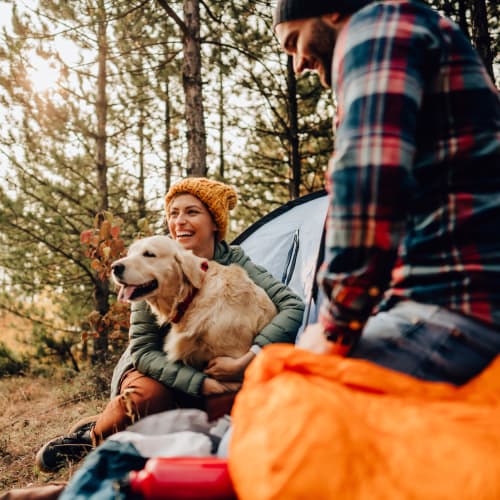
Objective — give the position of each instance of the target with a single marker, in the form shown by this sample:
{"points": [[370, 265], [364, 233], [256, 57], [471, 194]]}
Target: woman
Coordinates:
{"points": [[144, 382]]}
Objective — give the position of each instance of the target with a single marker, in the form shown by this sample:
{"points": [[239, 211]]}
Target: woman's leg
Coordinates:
{"points": [[139, 396]]}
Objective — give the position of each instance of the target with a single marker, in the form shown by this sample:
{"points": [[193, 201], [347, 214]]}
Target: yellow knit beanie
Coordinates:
{"points": [[218, 197]]}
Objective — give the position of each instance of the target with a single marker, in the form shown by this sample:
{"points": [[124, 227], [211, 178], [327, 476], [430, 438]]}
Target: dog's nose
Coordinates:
{"points": [[118, 269]]}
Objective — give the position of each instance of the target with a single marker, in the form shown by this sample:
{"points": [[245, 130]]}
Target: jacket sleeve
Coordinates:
{"points": [[146, 349], [286, 324]]}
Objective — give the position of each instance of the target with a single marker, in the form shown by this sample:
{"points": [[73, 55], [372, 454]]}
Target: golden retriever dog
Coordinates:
{"points": [[214, 310]]}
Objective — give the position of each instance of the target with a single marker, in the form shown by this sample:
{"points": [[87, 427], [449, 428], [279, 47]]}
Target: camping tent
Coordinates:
{"points": [[288, 243]]}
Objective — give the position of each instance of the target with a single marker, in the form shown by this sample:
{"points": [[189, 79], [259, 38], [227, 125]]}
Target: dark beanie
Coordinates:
{"points": [[290, 10]]}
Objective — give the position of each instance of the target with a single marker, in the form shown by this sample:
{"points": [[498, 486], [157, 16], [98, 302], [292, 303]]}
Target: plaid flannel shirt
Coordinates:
{"points": [[414, 180]]}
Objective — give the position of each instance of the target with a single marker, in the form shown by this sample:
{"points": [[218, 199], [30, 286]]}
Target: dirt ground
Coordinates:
{"points": [[34, 410]]}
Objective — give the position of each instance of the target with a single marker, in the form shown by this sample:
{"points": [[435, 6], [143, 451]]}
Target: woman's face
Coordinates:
{"points": [[191, 224]]}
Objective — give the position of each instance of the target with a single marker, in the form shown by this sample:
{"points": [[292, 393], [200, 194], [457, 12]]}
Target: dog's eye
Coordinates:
{"points": [[147, 253]]}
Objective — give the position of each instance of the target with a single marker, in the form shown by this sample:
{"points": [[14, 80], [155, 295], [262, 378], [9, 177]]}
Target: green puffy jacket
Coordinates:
{"points": [[145, 350]]}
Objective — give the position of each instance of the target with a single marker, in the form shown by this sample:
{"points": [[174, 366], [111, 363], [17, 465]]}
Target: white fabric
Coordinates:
{"points": [[183, 432], [176, 444]]}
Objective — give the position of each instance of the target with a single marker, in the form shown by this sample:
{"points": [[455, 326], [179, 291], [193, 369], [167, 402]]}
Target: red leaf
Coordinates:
{"points": [[85, 237]]}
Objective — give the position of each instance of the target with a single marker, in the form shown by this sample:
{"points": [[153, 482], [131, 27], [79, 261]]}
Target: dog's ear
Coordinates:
{"points": [[191, 268]]}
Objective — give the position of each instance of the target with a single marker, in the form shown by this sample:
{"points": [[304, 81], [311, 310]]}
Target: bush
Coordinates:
{"points": [[10, 363]]}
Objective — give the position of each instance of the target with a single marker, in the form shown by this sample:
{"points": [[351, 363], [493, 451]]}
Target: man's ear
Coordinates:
{"points": [[332, 19]]}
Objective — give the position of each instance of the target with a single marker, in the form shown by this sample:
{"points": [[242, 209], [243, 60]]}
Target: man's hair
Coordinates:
{"points": [[291, 10]]}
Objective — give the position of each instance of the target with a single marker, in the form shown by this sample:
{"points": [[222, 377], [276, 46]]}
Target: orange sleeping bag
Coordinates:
{"points": [[324, 427]]}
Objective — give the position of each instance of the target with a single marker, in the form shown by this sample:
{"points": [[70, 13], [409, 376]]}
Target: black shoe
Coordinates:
{"points": [[65, 449]]}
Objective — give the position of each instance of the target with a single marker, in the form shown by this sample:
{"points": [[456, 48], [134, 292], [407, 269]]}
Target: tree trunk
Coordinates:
{"points": [[191, 80], [293, 131], [101, 110], [168, 142], [101, 290], [221, 116], [101, 304], [462, 16], [480, 34], [141, 200]]}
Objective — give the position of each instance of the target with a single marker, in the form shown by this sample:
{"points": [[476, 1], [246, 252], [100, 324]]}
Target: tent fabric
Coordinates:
{"points": [[325, 427], [287, 243]]}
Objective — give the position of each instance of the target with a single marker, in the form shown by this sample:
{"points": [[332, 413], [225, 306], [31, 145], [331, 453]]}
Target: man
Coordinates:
{"points": [[412, 261]]}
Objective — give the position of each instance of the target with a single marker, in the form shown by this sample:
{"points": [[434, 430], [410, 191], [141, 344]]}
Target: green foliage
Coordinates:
{"points": [[51, 348], [53, 189], [250, 108], [11, 363]]}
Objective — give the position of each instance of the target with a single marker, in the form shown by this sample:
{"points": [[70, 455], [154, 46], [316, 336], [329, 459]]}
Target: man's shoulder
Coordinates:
{"points": [[398, 10]]}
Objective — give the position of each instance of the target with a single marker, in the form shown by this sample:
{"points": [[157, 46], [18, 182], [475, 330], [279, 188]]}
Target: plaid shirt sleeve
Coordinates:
{"points": [[379, 65]]}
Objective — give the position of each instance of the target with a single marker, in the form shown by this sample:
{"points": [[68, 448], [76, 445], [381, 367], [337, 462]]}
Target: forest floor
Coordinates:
{"points": [[34, 410]]}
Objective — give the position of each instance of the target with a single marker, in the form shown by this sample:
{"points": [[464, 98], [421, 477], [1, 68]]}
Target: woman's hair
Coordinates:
{"points": [[218, 197]]}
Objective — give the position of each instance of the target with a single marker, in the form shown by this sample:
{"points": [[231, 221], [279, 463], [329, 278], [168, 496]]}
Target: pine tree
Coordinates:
{"points": [[60, 159]]}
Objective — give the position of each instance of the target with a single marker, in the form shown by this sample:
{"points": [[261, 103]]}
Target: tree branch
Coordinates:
{"points": [[175, 17]]}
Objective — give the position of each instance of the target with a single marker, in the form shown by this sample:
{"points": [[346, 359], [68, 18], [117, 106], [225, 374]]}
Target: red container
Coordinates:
{"points": [[182, 478]]}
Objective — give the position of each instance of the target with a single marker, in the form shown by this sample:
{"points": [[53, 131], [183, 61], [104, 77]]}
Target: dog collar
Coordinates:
{"points": [[182, 307]]}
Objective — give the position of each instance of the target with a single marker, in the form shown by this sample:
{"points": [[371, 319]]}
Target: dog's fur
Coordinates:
{"points": [[226, 312]]}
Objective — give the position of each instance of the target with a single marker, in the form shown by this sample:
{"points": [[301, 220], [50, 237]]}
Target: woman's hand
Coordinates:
{"points": [[224, 368], [212, 386]]}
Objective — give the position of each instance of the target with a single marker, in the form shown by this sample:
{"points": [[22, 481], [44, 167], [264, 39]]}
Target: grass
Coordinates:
{"points": [[36, 409], [14, 331]]}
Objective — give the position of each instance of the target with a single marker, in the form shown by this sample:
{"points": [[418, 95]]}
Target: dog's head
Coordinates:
{"points": [[156, 266]]}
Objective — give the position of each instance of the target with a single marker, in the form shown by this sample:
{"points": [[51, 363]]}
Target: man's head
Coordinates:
{"points": [[307, 30]]}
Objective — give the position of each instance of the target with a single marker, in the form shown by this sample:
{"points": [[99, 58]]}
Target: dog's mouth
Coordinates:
{"points": [[133, 292]]}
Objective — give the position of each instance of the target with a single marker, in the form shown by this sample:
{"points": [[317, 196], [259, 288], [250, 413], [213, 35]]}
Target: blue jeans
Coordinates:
{"points": [[428, 342]]}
